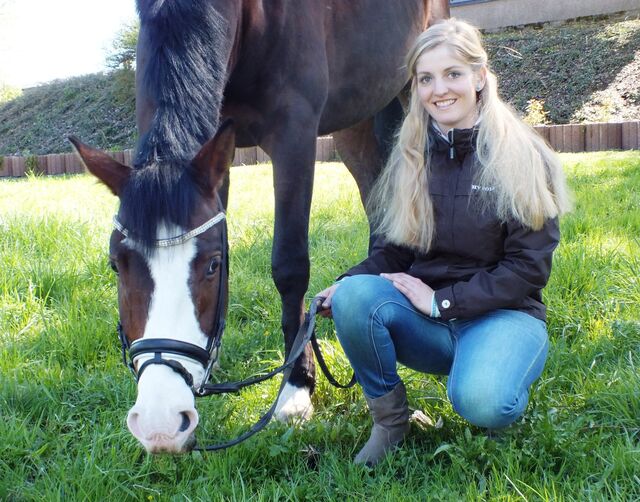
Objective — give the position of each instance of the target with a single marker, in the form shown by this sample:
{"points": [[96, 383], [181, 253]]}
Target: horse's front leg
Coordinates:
{"points": [[293, 159]]}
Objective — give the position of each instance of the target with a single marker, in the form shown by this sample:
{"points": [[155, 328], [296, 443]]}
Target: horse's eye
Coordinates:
{"points": [[114, 267], [213, 266]]}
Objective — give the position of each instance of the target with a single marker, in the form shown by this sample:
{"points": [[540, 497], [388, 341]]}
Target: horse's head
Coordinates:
{"points": [[169, 249]]}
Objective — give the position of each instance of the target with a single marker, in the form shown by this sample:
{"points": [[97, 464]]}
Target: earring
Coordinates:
{"points": [[478, 88]]}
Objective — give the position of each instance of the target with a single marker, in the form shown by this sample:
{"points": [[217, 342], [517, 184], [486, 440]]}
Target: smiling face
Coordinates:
{"points": [[447, 88]]}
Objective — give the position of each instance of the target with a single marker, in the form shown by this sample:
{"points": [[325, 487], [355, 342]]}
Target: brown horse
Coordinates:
{"points": [[285, 71]]}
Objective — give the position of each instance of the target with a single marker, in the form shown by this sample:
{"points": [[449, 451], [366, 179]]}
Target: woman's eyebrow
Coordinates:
{"points": [[454, 67]]}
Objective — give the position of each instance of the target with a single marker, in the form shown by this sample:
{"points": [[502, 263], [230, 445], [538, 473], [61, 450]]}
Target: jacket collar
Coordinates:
{"points": [[457, 142]]}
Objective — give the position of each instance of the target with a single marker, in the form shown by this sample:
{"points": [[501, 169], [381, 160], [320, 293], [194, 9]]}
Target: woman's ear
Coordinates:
{"points": [[481, 78]]}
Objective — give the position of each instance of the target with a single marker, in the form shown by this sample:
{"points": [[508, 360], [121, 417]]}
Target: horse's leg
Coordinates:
{"points": [[223, 191], [365, 147], [358, 149], [385, 126], [293, 168]]}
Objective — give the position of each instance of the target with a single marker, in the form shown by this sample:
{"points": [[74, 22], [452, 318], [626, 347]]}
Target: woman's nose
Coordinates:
{"points": [[439, 87]]}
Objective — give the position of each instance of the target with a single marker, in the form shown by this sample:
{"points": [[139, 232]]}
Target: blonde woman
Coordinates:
{"points": [[468, 208]]}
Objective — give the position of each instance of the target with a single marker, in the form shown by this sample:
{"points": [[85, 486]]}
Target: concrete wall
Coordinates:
{"points": [[496, 14]]}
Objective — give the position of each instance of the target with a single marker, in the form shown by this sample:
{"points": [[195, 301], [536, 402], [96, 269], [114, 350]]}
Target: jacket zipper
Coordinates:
{"points": [[452, 150]]}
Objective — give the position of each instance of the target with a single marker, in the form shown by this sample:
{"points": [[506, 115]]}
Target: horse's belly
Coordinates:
{"points": [[349, 106]]}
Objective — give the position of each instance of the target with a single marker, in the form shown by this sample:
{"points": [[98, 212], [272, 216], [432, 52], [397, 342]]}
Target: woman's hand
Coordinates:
{"points": [[326, 304], [419, 294]]}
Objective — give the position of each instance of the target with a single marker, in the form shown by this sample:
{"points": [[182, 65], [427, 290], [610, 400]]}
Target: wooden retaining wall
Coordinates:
{"points": [[563, 138]]}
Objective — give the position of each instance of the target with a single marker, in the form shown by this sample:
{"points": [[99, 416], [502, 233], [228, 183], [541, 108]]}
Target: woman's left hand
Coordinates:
{"points": [[419, 294]]}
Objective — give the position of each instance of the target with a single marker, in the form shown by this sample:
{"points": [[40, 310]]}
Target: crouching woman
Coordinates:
{"points": [[468, 209]]}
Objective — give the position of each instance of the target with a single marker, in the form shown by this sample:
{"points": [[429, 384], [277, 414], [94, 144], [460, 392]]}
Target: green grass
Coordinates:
{"points": [[64, 393]]}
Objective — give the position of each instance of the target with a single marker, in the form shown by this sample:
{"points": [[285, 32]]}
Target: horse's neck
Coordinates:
{"points": [[182, 79]]}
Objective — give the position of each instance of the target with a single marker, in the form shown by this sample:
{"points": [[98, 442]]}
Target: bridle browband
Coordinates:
{"points": [[180, 239], [206, 357]]}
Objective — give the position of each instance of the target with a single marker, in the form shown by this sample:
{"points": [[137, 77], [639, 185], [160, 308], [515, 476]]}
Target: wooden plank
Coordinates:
{"points": [[568, 137], [543, 131], [631, 135], [602, 136], [555, 138], [127, 157], [245, 156], [572, 137], [41, 164], [71, 164], [8, 165], [592, 138], [17, 166], [48, 165], [578, 137], [262, 157], [321, 150], [54, 165], [118, 156], [4, 167], [328, 149], [614, 136], [562, 137]]}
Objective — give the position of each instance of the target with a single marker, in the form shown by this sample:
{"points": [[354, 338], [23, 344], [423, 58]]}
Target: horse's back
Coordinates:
{"points": [[366, 43], [346, 59]]}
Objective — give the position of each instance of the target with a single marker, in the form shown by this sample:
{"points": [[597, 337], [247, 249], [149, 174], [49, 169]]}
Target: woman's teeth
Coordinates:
{"points": [[444, 104]]}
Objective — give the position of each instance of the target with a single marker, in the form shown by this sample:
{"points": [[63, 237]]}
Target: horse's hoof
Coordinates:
{"points": [[294, 404]]}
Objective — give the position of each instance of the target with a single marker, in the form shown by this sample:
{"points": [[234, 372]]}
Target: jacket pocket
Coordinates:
{"points": [[479, 234]]}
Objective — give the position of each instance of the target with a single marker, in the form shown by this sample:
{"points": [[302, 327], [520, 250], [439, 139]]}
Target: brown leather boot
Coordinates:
{"points": [[390, 425]]}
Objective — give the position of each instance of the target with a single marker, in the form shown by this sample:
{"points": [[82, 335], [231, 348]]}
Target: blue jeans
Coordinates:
{"points": [[491, 360]]}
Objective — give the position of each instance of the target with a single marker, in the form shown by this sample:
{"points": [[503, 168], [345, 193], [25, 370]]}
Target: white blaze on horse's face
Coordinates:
{"points": [[164, 416]]}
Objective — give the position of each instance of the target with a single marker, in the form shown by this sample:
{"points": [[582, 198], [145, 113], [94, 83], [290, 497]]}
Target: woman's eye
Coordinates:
{"points": [[213, 266], [454, 74], [114, 267], [425, 80]]}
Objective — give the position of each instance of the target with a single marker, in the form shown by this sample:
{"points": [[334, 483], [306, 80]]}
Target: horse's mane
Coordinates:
{"points": [[184, 74]]}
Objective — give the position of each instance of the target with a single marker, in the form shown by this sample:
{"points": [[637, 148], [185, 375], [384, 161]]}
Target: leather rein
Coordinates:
{"points": [[208, 356]]}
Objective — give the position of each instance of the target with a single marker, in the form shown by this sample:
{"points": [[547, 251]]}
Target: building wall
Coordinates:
{"points": [[494, 14]]}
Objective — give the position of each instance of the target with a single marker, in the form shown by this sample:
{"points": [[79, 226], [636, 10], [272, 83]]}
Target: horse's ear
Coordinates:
{"points": [[215, 157], [106, 169], [438, 10]]}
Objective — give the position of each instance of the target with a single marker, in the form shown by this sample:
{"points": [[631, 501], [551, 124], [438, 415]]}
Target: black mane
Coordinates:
{"points": [[185, 43], [186, 46]]}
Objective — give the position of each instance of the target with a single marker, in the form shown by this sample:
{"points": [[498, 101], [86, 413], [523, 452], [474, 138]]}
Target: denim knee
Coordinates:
{"points": [[356, 297], [486, 408]]}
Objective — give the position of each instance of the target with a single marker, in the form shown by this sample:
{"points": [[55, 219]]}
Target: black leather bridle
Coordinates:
{"points": [[208, 356]]}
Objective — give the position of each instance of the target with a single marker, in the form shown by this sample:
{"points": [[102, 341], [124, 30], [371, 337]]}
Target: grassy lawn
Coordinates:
{"points": [[64, 393]]}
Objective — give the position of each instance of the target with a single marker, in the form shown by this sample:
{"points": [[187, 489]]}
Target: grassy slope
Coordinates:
{"points": [[64, 393], [581, 71]]}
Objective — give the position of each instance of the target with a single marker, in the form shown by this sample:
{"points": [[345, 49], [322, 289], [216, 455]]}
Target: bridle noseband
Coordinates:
{"points": [[206, 357]]}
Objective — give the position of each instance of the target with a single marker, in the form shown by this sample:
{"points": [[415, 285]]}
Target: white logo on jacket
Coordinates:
{"points": [[482, 189]]}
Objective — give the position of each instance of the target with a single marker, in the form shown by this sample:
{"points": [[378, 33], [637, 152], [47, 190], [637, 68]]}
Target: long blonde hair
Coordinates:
{"points": [[512, 157]]}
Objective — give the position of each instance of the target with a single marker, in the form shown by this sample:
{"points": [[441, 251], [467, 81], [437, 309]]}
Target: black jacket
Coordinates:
{"points": [[477, 263]]}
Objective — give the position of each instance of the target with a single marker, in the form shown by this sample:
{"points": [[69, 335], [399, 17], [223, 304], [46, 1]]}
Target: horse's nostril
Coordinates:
{"points": [[186, 422]]}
